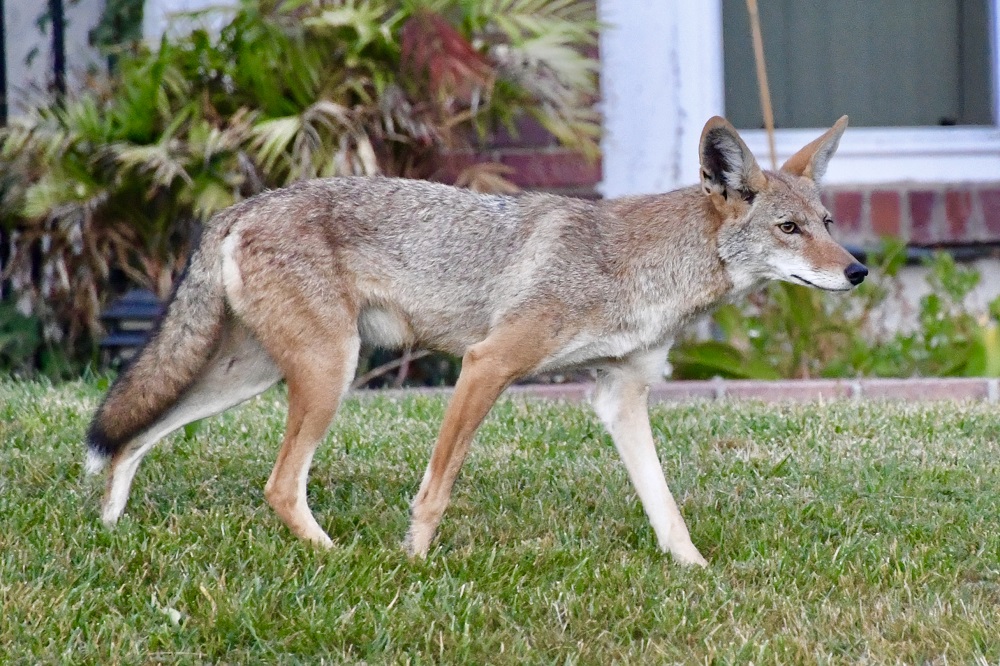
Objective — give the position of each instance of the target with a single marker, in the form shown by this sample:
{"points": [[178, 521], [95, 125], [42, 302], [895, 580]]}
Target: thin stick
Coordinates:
{"points": [[765, 91], [386, 368], [404, 368]]}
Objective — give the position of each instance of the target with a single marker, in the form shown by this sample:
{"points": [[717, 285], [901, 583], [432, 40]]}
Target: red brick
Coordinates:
{"points": [[847, 210], [803, 390], [957, 210], [885, 213], [922, 206], [450, 165], [682, 390], [528, 133], [571, 392], [990, 201], [925, 389], [561, 168], [916, 389]]}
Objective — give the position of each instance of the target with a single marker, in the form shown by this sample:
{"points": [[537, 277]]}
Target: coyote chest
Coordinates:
{"points": [[651, 326]]}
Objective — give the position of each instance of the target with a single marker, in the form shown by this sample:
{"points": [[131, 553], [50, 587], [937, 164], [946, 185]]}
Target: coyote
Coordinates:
{"points": [[292, 283]]}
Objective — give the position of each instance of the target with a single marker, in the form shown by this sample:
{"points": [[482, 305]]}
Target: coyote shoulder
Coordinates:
{"points": [[290, 284]]}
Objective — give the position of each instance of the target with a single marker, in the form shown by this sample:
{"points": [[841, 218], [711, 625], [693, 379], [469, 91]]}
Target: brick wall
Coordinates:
{"points": [[921, 214], [535, 158]]}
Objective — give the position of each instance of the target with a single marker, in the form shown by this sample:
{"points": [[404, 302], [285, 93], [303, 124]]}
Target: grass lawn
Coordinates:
{"points": [[840, 533]]}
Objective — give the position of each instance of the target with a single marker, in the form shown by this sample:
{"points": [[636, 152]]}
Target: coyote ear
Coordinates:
{"points": [[811, 161], [727, 165]]}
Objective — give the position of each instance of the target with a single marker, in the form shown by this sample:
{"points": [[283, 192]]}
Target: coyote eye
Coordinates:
{"points": [[789, 227], [827, 222]]}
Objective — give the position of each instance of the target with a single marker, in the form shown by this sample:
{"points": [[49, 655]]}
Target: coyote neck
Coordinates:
{"points": [[673, 252]]}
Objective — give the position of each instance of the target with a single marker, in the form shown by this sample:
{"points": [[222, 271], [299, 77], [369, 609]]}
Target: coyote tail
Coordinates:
{"points": [[169, 362]]}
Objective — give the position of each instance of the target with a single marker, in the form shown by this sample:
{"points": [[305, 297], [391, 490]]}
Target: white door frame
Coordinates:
{"points": [[662, 78]]}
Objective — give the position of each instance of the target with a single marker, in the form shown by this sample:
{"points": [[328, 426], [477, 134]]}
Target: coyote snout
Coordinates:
{"points": [[292, 283], [825, 266]]}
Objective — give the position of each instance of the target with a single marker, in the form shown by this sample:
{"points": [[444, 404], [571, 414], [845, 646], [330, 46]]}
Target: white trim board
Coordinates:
{"points": [[872, 155]]}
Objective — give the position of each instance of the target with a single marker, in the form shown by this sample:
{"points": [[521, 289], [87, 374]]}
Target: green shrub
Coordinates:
{"points": [[797, 332], [949, 340], [107, 188]]}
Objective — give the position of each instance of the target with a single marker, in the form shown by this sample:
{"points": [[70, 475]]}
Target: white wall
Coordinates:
{"points": [[161, 16], [23, 36], [654, 63], [901, 311]]}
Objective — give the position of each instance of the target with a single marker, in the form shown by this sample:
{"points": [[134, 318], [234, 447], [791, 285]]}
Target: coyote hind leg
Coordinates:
{"points": [[237, 371], [317, 378], [296, 300]]}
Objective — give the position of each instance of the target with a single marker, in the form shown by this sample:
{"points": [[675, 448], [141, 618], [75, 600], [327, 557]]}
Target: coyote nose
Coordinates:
{"points": [[856, 273]]}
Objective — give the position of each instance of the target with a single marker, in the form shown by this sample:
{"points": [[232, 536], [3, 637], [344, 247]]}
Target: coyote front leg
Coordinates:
{"points": [[621, 402]]}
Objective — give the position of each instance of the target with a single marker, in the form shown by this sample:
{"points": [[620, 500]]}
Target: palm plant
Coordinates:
{"points": [[107, 188]]}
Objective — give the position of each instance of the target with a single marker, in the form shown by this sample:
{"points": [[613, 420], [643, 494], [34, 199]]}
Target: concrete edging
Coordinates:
{"points": [[795, 390], [979, 389]]}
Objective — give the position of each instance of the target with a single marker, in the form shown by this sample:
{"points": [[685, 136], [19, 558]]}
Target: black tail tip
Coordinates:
{"points": [[98, 441]]}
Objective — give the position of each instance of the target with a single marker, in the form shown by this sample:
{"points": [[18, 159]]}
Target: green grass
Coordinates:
{"points": [[840, 533]]}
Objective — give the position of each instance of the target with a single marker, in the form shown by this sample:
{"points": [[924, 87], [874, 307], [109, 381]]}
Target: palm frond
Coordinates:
{"points": [[113, 179], [365, 19], [270, 139], [161, 161], [48, 194]]}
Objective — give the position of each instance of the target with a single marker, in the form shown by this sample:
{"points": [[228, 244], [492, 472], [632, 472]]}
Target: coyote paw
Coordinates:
{"points": [[321, 540], [688, 555], [110, 514], [109, 521], [418, 542]]}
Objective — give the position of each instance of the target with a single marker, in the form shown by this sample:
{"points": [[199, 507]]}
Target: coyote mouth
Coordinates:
{"points": [[816, 286]]}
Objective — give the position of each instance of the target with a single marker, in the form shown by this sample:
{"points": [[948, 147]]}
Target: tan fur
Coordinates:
{"points": [[292, 283], [810, 162]]}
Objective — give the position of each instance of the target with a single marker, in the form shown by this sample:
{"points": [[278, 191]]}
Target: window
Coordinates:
{"points": [[898, 68], [889, 63]]}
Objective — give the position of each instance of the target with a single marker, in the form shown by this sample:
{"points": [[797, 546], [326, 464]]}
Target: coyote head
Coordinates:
{"points": [[773, 224]]}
